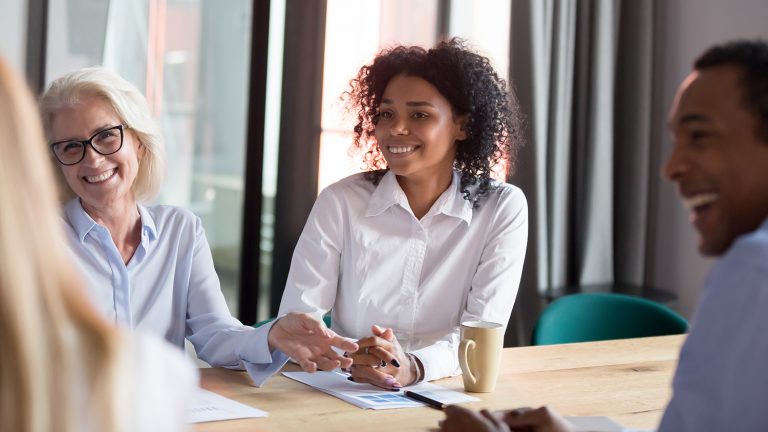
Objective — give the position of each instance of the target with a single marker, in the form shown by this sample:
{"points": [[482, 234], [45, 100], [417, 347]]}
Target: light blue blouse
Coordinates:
{"points": [[721, 381], [169, 287]]}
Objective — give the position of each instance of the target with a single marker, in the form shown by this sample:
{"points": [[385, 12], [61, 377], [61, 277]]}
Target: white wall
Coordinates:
{"points": [[13, 29], [689, 27]]}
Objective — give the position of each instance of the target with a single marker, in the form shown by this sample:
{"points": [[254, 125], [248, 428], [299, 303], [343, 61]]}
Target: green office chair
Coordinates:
{"points": [[603, 316], [326, 320]]}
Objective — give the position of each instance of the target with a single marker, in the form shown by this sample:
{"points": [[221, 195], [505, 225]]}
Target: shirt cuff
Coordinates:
{"points": [[440, 360], [259, 361]]}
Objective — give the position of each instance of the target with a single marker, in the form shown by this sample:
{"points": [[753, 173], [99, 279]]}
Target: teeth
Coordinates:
{"points": [[396, 150], [101, 177], [700, 200]]}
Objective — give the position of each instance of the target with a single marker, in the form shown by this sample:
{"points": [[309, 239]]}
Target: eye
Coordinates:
{"points": [[72, 146], [699, 135], [420, 115], [699, 138], [107, 134], [386, 114]]}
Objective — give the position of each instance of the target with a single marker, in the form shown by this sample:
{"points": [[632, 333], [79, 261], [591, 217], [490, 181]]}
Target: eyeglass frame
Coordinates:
{"points": [[89, 142]]}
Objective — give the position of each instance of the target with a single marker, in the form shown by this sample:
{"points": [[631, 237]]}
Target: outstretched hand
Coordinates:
{"points": [[309, 342]]}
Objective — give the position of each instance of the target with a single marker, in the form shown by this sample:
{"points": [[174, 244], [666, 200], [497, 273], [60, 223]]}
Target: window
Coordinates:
{"points": [[191, 59]]}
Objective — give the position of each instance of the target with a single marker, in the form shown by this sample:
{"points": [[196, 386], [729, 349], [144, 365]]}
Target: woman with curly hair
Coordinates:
{"points": [[425, 239]]}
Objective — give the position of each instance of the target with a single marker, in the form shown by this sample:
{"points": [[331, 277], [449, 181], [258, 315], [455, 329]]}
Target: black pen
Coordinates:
{"points": [[421, 398]]}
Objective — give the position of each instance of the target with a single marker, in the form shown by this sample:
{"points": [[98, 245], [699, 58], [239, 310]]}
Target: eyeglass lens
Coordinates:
{"points": [[105, 142]]}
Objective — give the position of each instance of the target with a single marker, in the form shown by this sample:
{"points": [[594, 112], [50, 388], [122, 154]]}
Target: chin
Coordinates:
{"points": [[714, 248]]}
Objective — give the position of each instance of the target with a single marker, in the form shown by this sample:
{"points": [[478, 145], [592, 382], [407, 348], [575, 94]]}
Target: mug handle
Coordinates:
{"points": [[464, 348]]}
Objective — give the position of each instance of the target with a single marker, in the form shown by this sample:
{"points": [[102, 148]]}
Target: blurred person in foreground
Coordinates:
{"points": [[62, 366], [719, 126], [150, 267]]}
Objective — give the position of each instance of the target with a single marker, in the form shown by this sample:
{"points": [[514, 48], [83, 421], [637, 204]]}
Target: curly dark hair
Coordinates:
{"points": [[752, 57], [468, 81]]}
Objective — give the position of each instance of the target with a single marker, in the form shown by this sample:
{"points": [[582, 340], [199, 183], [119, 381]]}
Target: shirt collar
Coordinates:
{"points": [[148, 226], [84, 223], [450, 203]]}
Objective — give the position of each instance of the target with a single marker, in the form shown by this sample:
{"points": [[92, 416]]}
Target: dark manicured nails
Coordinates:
{"points": [[351, 379], [395, 363]]}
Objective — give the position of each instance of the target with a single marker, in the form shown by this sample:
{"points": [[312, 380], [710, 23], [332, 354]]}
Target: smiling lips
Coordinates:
{"points": [[401, 149], [101, 177], [698, 201]]}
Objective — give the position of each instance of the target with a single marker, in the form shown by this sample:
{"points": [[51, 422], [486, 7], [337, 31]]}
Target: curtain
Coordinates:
{"points": [[582, 71]]}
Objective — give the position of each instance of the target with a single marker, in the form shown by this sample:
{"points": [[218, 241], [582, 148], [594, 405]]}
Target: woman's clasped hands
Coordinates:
{"points": [[381, 361]]}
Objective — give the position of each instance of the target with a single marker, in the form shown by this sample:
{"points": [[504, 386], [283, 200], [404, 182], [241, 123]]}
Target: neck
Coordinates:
{"points": [[123, 221], [422, 192]]}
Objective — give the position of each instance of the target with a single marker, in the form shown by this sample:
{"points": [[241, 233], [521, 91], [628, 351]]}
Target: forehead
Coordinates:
{"points": [[403, 88], [713, 94], [85, 116]]}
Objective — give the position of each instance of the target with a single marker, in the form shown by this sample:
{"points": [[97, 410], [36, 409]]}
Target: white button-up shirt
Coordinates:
{"points": [[169, 287], [365, 256]]}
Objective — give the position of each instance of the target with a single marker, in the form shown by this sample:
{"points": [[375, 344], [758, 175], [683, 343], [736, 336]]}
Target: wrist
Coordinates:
{"points": [[417, 369]]}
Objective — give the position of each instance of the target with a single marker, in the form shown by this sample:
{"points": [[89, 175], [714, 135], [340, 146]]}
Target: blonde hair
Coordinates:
{"points": [[130, 106], [57, 353]]}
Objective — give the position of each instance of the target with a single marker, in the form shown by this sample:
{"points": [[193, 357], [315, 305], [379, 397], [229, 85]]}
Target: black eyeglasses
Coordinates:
{"points": [[104, 142]]}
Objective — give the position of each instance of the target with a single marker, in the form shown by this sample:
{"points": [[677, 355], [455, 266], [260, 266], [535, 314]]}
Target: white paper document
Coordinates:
{"points": [[371, 397], [208, 406]]}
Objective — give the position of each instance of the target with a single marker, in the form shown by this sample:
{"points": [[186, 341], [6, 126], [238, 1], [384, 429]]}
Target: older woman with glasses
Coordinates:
{"points": [[150, 267]]}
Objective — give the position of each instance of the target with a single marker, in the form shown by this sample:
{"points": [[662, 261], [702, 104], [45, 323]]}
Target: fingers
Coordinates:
{"points": [[543, 418], [372, 341], [366, 360], [343, 343], [364, 374], [494, 421], [375, 357], [384, 333], [307, 365], [455, 411]]}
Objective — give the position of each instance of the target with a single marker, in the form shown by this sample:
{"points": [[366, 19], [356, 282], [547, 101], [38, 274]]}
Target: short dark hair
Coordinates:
{"points": [[752, 57], [469, 82]]}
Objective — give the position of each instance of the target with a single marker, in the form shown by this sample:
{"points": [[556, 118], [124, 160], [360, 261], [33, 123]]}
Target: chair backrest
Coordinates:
{"points": [[603, 316], [326, 320]]}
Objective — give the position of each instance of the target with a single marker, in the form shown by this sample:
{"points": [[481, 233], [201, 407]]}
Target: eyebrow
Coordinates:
{"points": [[93, 132], [409, 103], [692, 118]]}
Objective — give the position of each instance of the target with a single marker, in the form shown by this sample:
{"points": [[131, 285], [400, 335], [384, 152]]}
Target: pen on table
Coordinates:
{"points": [[421, 398]]}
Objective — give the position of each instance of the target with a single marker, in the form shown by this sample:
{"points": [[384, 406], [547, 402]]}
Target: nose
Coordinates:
{"points": [[92, 157], [676, 164], [398, 128]]}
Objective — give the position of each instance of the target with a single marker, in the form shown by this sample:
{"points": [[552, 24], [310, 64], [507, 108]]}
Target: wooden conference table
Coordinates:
{"points": [[627, 380]]}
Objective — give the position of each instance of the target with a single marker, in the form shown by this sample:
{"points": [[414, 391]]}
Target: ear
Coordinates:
{"points": [[461, 123], [141, 150]]}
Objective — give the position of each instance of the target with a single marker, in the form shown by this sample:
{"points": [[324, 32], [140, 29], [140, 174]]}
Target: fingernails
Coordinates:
{"points": [[351, 379], [395, 363]]}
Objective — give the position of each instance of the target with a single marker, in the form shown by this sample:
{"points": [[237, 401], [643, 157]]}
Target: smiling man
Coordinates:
{"points": [[719, 124], [719, 163]]}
